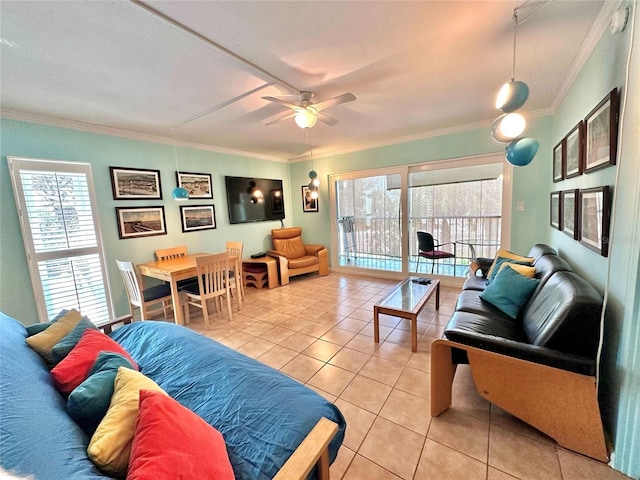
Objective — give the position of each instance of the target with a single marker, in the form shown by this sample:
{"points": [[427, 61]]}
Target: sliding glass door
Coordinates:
{"points": [[464, 205]]}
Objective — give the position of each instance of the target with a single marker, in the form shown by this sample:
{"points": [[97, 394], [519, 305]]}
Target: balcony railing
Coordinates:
{"points": [[375, 242]]}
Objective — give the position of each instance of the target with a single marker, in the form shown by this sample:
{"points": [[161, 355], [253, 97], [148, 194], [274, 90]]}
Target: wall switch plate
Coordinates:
{"points": [[520, 206]]}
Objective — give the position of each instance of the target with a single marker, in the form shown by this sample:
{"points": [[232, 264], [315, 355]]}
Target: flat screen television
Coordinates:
{"points": [[254, 199]]}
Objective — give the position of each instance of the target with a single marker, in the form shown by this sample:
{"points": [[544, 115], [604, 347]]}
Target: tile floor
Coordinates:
{"points": [[319, 331]]}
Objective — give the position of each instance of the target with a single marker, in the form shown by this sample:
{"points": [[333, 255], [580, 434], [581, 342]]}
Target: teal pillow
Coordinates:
{"points": [[64, 346], [88, 402], [41, 327], [500, 261], [509, 291]]}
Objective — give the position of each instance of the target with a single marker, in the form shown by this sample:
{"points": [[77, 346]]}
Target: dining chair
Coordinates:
{"points": [[171, 253], [429, 248], [213, 283], [235, 250], [144, 298]]}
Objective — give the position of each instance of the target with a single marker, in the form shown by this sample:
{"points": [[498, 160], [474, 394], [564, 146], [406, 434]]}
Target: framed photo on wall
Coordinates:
{"points": [[134, 222], [309, 204], [559, 159], [135, 183], [197, 184], [574, 142], [555, 214], [602, 133], [197, 217], [594, 219], [569, 210]]}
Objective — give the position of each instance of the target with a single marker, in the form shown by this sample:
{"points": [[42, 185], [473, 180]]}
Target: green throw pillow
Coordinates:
{"points": [[499, 261], [88, 402], [41, 327], [509, 291], [64, 346]]}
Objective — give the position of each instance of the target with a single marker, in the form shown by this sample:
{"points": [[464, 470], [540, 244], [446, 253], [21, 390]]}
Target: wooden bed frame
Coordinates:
{"points": [[314, 449]]}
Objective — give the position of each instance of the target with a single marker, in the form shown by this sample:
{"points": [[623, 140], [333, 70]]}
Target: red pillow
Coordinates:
{"points": [[75, 367], [172, 442]]}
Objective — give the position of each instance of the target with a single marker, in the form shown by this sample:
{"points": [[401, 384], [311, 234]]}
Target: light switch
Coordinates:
{"points": [[520, 206]]}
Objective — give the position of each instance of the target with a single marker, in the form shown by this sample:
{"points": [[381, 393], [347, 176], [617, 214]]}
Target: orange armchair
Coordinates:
{"points": [[296, 258]]}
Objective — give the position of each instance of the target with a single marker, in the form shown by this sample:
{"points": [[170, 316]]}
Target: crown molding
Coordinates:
{"points": [[115, 132]]}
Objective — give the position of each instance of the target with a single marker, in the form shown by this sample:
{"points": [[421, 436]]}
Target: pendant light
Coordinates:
{"points": [[514, 93], [180, 194]]}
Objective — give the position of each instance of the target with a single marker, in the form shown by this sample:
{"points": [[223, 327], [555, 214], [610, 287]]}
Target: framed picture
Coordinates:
{"points": [[197, 184], [198, 217], [308, 204], [134, 222], [555, 213], [602, 133], [135, 183], [594, 219], [277, 202], [574, 152], [559, 160], [569, 211]]}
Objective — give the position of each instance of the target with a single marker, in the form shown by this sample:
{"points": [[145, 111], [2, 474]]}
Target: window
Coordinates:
{"points": [[58, 217]]}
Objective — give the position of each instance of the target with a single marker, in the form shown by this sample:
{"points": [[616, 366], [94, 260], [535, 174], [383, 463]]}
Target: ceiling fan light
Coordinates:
{"points": [[180, 194], [507, 127], [512, 96], [306, 117]]}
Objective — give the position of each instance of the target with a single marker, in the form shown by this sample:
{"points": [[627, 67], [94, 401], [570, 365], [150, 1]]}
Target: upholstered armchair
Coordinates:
{"points": [[296, 258]]}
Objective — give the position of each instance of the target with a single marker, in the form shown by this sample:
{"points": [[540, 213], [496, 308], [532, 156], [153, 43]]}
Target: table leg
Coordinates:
{"points": [[376, 326], [414, 333], [175, 297]]}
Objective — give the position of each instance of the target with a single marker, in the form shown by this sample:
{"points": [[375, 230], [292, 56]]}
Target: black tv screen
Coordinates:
{"points": [[254, 199]]}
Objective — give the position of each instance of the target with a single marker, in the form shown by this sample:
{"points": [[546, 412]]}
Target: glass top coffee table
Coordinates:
{"points": [[407, 300]]}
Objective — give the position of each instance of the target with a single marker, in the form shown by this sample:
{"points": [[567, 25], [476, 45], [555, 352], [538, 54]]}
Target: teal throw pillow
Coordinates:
{"points": [[509, 291], [500, 261], [88, 402], [64, 346], [41, 327]]}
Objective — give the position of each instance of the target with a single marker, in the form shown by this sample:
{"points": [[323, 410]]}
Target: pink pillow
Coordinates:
{"points": [[75, 367], [172, 442]]}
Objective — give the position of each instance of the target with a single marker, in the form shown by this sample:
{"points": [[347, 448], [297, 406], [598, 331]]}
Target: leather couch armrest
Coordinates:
{"points": [[312, 249], [524, 351]]}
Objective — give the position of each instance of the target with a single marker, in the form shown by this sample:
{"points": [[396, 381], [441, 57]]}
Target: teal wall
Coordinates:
{"points": [[101, 151], [605, 69]]}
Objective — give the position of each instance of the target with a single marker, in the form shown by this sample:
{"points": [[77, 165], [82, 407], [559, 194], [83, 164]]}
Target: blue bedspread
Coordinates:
{"points": [[37, 437], [263, 414]]}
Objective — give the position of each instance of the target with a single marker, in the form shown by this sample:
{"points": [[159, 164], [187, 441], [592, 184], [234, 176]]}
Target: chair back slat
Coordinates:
{"points": [[170, 253], [213, 271]]}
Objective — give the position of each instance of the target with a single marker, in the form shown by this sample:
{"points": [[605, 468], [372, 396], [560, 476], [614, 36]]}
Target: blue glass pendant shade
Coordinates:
{"points": [[512, 96], [180, 193], [520, 152]]}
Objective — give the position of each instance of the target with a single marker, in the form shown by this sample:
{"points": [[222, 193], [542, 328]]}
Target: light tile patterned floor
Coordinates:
{"points": [[319, 331]]}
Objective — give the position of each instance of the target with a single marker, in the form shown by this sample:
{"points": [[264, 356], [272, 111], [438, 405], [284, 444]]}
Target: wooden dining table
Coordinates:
{"points": [[182, 268]]}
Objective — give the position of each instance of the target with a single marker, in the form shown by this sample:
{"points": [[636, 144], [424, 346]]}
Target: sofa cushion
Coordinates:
{"points": [[509, 291], [302, 262], [64, 346], [44, 341], [464, 326], [165, 440], [289, 247], [72, 371], [475, 283], [88, 402], [547, 265], [110, 445], [470, 301]]}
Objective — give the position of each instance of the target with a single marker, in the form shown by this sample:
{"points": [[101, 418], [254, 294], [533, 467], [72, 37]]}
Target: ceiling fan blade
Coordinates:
{"points": [[326, 119], [344, 98], [281, 117], [282, 102]]}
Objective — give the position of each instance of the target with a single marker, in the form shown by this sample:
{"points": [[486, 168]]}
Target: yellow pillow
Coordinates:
{"points": [[44, 341], [502, 253], [521, 269], [110, 445]]}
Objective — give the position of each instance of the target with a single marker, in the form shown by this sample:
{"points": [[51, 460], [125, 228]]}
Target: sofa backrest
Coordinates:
{"points": [[564, 314], [540, 249], [547, 265]]}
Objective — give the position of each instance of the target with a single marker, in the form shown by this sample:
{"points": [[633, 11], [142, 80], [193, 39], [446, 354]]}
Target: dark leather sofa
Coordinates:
{"points": [[540, 367]]}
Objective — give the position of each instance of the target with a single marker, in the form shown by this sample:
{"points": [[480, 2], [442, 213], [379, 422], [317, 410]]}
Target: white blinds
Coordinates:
{"points": [[56, 206]]}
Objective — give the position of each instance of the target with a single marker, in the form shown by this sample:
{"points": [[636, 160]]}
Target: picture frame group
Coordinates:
{"points": [[583, 214], [591, 144]]}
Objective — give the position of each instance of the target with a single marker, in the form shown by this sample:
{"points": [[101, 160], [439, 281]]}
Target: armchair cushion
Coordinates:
{"points": [[306, 261], [289, 247], [313, 249]]}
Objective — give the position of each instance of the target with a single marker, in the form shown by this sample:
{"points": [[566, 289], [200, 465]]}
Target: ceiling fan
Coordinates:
{"points": [[305, 112]]}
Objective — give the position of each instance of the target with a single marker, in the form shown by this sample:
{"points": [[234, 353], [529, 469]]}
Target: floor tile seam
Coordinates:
{"points": [[486, 464], [386, 469]]}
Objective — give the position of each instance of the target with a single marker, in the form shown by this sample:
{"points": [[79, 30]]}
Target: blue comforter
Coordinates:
{"points": [[263, 414]]}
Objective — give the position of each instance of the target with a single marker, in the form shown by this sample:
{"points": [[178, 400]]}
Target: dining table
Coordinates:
{"points": [[182, 268]]}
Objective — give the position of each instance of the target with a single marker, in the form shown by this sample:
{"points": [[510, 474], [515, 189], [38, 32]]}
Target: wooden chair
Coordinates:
{"points": [[171, 253], [213, 283], [141, 298], [235, 250]]}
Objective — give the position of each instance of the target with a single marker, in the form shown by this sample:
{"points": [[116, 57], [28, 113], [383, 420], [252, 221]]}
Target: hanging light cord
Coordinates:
{"points": [[515, 32]]}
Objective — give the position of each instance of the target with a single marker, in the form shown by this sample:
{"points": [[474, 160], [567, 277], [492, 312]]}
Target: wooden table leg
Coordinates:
{"points": [[376, 326], [175, 298], [414, 333]]}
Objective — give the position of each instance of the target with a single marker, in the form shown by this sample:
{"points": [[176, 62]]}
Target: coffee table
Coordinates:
{"points": [[406, 300]]}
